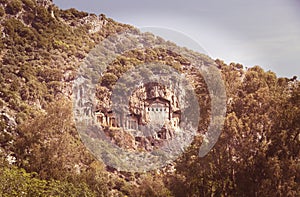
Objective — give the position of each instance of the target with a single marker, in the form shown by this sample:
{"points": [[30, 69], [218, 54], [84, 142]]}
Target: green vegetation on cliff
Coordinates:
{"points": [[41, 47]]}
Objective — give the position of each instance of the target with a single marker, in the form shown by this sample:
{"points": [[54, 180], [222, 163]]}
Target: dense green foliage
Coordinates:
{"points": [[258, 153], [16, 182]]}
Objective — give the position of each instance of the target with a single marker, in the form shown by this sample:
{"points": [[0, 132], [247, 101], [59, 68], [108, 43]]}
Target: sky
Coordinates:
{"points": [[264, 33]]}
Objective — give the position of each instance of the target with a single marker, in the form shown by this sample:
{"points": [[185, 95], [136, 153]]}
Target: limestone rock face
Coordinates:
{"points": [[153, 102], [45, 3], [152, 105], [95, 22]]}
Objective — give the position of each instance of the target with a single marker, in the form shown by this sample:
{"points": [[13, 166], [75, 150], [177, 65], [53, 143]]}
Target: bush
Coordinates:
{"points": [[72, 14], [14, 7], [3, 1], [29, 4], [109, 80], [2, 11], [48, 75], [15, 182], [151, 186]]}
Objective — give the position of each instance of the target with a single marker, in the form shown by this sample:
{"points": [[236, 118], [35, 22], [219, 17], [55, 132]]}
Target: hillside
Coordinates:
{"points": [[41, 51]]}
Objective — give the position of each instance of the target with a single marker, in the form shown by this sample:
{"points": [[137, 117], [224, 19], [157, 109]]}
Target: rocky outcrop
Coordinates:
{"points": [[152, 104], [45, 3]]}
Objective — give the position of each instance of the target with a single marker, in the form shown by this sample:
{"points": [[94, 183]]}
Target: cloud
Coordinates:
{"points": [[265, 33]]}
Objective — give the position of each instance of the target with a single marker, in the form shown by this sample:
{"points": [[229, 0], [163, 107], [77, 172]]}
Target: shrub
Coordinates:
{"points": [[109, 80], [72, 14], [15, 182], [13, 7], [2, 11], [29, 4], [3, 1]]}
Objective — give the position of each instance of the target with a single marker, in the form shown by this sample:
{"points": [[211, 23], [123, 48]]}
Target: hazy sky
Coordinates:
{"points": [[265, 33]]}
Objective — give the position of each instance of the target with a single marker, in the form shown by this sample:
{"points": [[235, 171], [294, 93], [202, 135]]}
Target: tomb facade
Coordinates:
{"points": [[151, 104]]}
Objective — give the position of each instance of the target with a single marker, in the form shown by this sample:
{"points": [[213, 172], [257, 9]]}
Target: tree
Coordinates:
{"points": [[258, 150], [49, 144], [108, 80], [17, 182]]}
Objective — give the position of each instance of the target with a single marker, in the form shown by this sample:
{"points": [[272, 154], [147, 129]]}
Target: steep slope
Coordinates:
{"points": [[41, 49]]}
